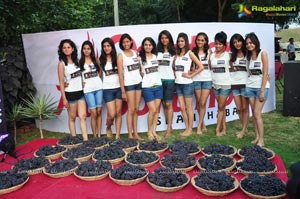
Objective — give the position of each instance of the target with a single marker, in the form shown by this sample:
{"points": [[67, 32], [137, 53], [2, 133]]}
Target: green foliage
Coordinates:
{"points": [[13, 116]]}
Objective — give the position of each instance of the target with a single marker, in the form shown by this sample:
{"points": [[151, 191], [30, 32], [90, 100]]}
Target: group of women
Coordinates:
{"points": [[156, 72]]}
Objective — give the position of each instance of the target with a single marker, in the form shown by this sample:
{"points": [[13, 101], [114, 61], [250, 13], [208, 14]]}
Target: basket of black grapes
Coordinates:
{"points": [[223, 149], [179, 161], [256, 150], [126, 144], [167, 179], [153, 146], [215, 183], [184, 146], [91, 171], [61, 168], [216, 163], [70, 141], [50, 152], [12, 180], [80, 153], [128, 174], [97, 143], [263, 186], [256, 164], [32, 166], [112, 153], [142, 158]]}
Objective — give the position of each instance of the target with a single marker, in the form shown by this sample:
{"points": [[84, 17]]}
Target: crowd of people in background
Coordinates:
{"points": [[159, 71]]}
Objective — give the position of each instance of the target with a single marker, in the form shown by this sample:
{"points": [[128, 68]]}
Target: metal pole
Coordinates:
{"points": [[116, 13]]}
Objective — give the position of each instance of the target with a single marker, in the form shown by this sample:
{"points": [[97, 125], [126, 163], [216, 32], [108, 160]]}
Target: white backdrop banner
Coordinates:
{"points": [[42, 60]]}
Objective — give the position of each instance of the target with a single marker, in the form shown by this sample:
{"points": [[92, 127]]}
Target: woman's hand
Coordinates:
{"points": [[124, 97], [261, 96], [66, 103]]}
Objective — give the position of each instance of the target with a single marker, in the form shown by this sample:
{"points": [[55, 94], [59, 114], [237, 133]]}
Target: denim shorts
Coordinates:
{"points": [[239, 91], [112, 94], [134, 87], [254, 92], [153, 93], [222, 92], [185, 90], [75, 101], [168, 90], [94, 99], [205, 85]]}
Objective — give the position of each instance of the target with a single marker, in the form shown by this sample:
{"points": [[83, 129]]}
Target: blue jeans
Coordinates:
{"points": [[185, 90], [94, 99], [254, 92], [205, 85], [112, 94], [153, 93], [222, 92]]}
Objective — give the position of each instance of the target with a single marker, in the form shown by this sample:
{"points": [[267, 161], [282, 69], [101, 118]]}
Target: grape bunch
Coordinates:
{"points": [[153, 145], [12, 178], [97, 142], [184, 146], [214, 181], [268, 185], [31, 164], [125, 143], [215, 162], [97, 168], [49, 150], [167, 177], [222, 149], [128, 172], [109, 153], [178, 160], [70, 140], [141, 157], [257, 163], [61, 166], [254, 151], [78, 152]]}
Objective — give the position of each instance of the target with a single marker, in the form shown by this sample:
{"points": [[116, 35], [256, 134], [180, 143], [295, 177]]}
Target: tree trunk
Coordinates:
{"points": [[221, 7], [178, 14], [41, 128], [15, 131]]}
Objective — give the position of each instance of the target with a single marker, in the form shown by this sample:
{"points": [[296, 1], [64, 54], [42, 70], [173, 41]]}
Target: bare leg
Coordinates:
{"points": [[157, 106], [82, 116], [131, 111], [118, 117], [168, 107], [138, 95], [72, 118], [94, 121], [221, 114], [99, 120], [190, 116]]}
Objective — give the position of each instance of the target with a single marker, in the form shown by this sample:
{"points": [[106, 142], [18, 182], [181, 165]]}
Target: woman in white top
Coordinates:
{"points": [[92, 85], [239, 76], [257, 86], [130, 82], [202, 81], [183, 80], [152, 89], [165, 57], [72, 95], [111, 86], [219, 63]]}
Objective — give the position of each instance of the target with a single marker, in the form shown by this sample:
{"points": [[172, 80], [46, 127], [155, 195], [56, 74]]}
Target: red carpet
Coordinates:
{"points": [[41, 186]]}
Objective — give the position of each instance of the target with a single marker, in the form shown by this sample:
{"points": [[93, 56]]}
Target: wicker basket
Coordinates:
{"points": [[53, 156], [129, 149], [215, 193], [168, 189], [92, 178], [270, 158], [230, 155], [146, 164], [69, 146], [128, 182], [227, 170], [34, 171], [187, 169], [61, 174], [101, 147], [14, 188], [259, 173], [113, 161], [81, 159], [259, 196], [157, 151], [193, 153]]}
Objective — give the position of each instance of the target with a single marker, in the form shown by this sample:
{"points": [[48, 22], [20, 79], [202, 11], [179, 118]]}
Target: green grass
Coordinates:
{"points": [[281, 134], [285, 34]]}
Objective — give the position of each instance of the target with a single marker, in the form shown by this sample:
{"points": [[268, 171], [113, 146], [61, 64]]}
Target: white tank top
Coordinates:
{"points": [[256, 73], [239, 73], [131, 69], [183, 65], [204, 75], [220, 69], [151, 74], [110, 77], [72, 75], [165, 62], [91, 78]]}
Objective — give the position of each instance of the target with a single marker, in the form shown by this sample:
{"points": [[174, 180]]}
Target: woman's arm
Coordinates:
{"points": [[121, 75], [265, 62], [61, 78]]}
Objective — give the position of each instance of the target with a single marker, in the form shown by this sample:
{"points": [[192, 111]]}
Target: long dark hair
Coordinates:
{"points": [[160, 47], [125, 36], [254, 39], [186, 40], [63, 57], [143, 53], [206, 46], [93, 56], [113, 54], [233, 50]]}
